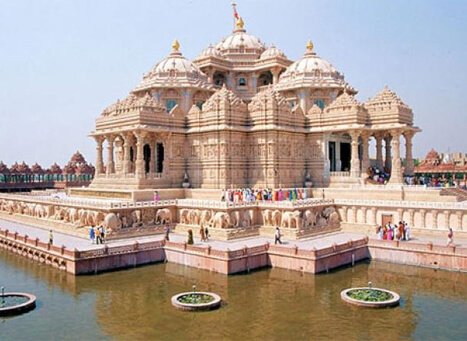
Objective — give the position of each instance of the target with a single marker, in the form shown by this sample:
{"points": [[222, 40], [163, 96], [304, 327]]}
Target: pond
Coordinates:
{"points": [[268, 304]]}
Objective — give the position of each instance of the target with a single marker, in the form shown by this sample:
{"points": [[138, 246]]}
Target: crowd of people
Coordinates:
{"points": [[262, 194], [389, 231], [97, 234], [377, 175]]}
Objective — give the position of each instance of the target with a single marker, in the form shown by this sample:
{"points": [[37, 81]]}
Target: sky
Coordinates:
{"points": [[63, 61]]}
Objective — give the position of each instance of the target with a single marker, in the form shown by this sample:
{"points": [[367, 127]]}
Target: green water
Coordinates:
{"points": [[270, 304]]}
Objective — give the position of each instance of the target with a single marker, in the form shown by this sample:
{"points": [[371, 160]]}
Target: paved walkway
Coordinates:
{"points": [[319, 242]]}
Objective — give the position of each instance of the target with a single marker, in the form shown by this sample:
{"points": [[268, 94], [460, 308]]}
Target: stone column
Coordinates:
{"points": [[186, 100], [127, 139], [447, 216], [373, 216], [354, 162], [387, 160], [396, 167], [434, 219], [422, 218], [400, 214], [139, 164], [411, 217], [459, 215], [110, 154], [344, 214], [409, 165], [354, 214], [254, 82], [379, 150], [365, 155], [364, 214], [302, 98], [99, 159], [275, 75]]}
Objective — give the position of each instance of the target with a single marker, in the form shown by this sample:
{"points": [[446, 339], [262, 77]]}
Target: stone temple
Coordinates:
{"points": [[243, 115]]}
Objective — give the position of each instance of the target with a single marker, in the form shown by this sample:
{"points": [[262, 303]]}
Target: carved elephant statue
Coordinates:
{"points": [[328, 211], [246, 219], [309, 218], [291, 219], [164, 216], [235, 218], [49, 211], [136, 218], [221, 220], [39, 211], [194, 217], [276, 218], [334, 218], [184, 216], [112, 222], [205, 217], [267, 217]]}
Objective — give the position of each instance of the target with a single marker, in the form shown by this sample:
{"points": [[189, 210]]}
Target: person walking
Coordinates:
{"points": [[102, 233], [450, 237], [98, 236], [277, 236], [167, 231], [51, 237], [201, 234], [92, 234], [206, 233]]}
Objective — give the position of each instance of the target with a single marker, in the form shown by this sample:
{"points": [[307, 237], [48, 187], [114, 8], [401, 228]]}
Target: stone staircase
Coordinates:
{"points": [[460, 194]]}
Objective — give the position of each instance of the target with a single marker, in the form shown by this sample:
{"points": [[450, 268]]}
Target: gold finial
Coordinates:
{"points": [[175, 45], [309, 46], [239, 23]]}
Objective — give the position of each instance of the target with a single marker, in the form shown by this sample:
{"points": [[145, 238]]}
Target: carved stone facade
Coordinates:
{"points": [[242, 114]]}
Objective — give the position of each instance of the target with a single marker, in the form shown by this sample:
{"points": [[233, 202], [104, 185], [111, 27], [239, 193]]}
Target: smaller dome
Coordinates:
{"points": [[311, 71], [210, 51], [174, 71], [77, 158], [272, 52], [4, 168]]}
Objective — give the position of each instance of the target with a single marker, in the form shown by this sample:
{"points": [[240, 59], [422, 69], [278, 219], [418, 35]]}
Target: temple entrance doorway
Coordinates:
{"points": [[147, 157], [160, 158], [345, 156]]}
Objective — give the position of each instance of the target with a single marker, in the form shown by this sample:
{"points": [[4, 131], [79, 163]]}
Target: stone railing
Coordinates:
{"points": [[403, 204], [339, 174]]}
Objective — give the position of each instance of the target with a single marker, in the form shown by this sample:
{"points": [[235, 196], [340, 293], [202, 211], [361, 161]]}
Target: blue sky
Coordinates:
{"points": [[62, 62]]}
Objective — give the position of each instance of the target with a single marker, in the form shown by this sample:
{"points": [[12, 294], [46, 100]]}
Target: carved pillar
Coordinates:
{"points": [[411, 217], [400, 214], [354, 162], [365, 157], [387, 160], [379, 150], [364, 214], [459, 215], [254, 82], [354, 214], [110, 169], [409, 165], [275, 75], [373, 216], [422, 218], [396, 167], [434, 219], [327, 166], [447, 216], [344, 214], [127, 139], [139, 164], [99, 159]]}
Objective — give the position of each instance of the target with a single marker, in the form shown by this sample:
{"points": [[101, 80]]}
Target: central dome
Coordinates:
{"points": [[240, 42]]}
